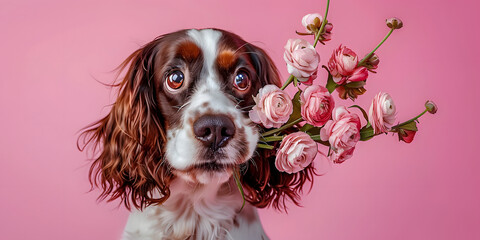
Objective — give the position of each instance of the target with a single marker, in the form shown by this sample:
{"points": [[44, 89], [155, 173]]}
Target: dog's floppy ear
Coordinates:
{"points": [[264, 184], [264, 66], [128, 142]]}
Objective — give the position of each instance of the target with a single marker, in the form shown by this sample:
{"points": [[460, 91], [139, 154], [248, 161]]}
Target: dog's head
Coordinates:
{"points": [[182, 112]]}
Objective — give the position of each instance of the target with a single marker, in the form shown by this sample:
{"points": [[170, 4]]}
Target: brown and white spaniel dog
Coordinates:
{"points": [[177, 131]]}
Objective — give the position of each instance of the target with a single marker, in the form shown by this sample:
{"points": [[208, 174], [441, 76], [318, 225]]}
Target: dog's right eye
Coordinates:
{"points": [[175, 80]]}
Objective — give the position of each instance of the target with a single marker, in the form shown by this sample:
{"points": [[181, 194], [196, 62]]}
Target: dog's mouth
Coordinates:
{"points": [[207, 172], [213, 166]]}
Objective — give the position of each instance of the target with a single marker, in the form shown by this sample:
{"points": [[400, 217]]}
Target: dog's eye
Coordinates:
{"points": [[175, 80], [241, 81]]}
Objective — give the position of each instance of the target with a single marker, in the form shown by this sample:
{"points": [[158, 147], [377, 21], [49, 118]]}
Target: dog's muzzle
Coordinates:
{"points": [[214, 131]]}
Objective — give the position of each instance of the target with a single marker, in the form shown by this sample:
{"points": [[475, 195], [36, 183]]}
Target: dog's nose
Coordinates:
{"points": [[214, 131]]}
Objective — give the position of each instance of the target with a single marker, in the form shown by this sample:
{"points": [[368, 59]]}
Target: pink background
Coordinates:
{"points": [[52, 53]]}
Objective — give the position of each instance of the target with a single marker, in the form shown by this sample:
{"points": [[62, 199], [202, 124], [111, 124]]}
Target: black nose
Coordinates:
{"points": [[214, 131]]}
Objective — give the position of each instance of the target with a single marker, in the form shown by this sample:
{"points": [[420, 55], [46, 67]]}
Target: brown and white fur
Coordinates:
{"points": [[178, 130]]}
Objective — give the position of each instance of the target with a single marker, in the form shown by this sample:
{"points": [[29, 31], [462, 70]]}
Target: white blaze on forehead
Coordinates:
{"points": [[207, 40]]}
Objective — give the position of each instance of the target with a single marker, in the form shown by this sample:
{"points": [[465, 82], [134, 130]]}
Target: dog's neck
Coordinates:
{"points": [[197, 211]]}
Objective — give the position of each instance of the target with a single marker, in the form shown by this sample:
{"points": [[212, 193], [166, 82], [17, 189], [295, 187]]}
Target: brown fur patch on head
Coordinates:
{"points": [[189, 51], [226, 59]]}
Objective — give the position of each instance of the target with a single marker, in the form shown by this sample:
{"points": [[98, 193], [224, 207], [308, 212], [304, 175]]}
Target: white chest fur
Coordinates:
{"points": [[196, 211]]}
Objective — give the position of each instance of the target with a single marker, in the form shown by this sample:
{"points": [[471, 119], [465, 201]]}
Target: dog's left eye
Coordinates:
{"points": [[241, 81], [175, 80]]}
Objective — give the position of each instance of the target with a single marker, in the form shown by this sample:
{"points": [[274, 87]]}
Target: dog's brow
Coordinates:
{"points": [[189, 51], [226, 59]]}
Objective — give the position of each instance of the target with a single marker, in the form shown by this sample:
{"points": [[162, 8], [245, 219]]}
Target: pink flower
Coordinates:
{"points": [[295, 153], [302, 59], [312, 23], [316, 105], [382, 113], [341, 155], [343, 66], [342, 132], [273, 107], [309, 81]]}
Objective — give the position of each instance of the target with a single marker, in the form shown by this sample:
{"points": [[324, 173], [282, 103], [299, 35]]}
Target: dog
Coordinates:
{"points": [[177, 133]]}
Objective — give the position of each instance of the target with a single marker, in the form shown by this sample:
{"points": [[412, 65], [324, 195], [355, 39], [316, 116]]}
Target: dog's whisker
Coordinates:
{"points": [[182, 106]]}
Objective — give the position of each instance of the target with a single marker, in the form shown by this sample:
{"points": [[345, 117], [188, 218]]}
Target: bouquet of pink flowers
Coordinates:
{"points": [[312, 116], [292, 127]]}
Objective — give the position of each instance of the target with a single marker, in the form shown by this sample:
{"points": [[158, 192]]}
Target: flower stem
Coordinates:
{"points": [[317, 138], [265, 146], [289, 80], [236, 176], [409, 121], [322, 27], [277, 130], [272, 138], [375, 49]]}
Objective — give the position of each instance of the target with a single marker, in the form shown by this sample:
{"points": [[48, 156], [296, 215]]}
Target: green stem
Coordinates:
{"points": [[317, 138], [324, 22], [411, 120], [265, 146], [288, 125], [272, 138], [373, 51], [236, 176], [289, 80]]}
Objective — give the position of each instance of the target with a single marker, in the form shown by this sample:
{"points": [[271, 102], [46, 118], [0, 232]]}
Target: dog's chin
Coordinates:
{"points": [[207, 173], [207, 177]]}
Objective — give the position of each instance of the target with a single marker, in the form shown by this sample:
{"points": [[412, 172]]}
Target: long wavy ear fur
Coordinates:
{"points": [[264, 184], [128, 142]]}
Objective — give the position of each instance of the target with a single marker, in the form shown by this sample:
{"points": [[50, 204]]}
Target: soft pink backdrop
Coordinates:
{"points": [[52, 53]]}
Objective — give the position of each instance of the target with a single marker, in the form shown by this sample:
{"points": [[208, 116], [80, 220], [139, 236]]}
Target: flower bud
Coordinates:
{"points": [[312, 22], [394, 23], [406, 135], [373, 61], [431, 107]]}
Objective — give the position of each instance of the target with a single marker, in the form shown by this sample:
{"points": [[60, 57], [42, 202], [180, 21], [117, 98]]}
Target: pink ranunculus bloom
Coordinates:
{"points": [[308, 21], [343, 131], [341, 155], [343, 66], [316, 105], [312, 25], [309, 81], [273, 107], [302, 59], [382, 113], [295, 153]]}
